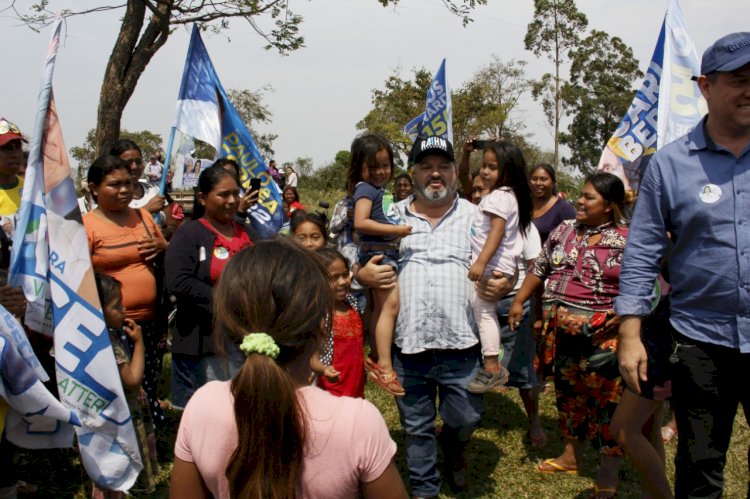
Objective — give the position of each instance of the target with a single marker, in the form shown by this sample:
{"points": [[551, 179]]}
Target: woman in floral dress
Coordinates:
{"points": [[581, 264]]}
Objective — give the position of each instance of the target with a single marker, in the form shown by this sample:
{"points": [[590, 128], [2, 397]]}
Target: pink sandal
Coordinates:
{"points": [[387, 381]]}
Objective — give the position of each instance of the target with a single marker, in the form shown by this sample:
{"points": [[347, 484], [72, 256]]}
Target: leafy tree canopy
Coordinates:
{"points": [[602, 77]]}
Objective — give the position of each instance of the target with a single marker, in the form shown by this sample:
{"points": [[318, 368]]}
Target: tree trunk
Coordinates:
{"points": [[130, 56]]}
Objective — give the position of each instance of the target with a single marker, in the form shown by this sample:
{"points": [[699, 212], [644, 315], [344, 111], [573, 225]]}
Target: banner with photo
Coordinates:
{"points": [[665, 107], [50, 261], [204, 112]]}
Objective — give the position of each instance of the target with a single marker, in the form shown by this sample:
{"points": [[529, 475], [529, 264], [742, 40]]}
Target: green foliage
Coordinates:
{"points": [[600, 91], [249, 105], [483, 105], [84, 154], [460, 8], [554, 31], [331, 177], [303, 166], [486, 103], [393, 106]]}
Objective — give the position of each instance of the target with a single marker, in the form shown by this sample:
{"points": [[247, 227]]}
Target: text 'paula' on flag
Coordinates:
{"points": [[667, 104], [205, 112], [437, 119], [50, 261]]}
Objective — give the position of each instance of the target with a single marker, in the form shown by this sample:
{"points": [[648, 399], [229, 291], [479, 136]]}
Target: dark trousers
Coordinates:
{"points": [[709, 382]]}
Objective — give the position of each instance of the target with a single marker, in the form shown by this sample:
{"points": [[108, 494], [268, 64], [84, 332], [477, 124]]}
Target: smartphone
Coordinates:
{"points": [[254, 184], [480, 144]]}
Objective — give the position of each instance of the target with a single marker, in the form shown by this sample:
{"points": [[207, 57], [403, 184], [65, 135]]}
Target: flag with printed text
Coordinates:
{"points": [[437, 118], [205, 113], [51, 262], [666, 106]]}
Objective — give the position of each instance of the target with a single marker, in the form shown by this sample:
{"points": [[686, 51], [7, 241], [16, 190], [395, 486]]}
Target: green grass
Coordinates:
{"points": [[501, 461]]}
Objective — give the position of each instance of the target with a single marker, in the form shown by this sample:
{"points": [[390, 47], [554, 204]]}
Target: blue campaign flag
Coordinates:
{"points": [[51, 262], [667, 104], [437, 119], [204, 112]]}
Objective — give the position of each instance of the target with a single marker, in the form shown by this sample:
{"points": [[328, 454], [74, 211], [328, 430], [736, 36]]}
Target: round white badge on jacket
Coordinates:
{"points": [[710, 193]]}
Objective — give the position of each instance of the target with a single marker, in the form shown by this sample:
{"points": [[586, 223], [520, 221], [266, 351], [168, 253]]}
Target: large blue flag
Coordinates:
{"points": [[664, 108], [437, 118], [205, 113], [50, 261]]}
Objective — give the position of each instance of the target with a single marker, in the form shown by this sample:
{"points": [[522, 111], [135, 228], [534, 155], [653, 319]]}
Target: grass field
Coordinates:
{"points": [[501, 462]]}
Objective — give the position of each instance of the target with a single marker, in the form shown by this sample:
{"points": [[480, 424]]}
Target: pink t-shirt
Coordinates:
{"points": [[502, 203], [348, 442]]}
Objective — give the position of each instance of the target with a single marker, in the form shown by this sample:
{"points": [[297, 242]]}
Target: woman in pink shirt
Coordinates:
{"points": [[267, 433]]}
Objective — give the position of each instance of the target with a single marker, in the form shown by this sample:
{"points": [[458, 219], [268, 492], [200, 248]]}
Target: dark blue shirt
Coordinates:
{"points": [[382, 211], [700, 193]]}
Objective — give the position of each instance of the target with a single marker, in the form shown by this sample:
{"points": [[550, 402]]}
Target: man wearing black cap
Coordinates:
{"points": [[436, 348], [698, 189]]}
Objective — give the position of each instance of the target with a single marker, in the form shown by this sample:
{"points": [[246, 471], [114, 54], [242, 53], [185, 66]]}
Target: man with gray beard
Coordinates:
{"points": [[436, 351]]}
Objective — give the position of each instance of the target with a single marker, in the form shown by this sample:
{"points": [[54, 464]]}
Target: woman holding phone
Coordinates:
{"points": [[199, 252]]}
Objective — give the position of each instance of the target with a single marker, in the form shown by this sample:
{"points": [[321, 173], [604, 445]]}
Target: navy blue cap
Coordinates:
{"points": [[727, 54], [431, 145]]}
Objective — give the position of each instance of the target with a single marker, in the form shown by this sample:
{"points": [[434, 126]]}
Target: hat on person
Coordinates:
{"points": [[727, 54], [431, 145], [9, 131]]}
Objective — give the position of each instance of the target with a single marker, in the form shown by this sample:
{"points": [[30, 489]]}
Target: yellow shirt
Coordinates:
{"points": [[10, 199]]}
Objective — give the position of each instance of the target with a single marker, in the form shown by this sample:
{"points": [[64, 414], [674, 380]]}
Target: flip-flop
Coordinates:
{"points": [[387, 381], [667, 434], [556, 468]]}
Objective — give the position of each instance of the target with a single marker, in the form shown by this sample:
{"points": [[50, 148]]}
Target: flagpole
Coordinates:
{"points": [[167, 159]]}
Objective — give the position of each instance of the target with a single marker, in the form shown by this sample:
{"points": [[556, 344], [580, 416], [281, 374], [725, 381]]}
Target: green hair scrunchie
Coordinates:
{"points": [[261, 343]]}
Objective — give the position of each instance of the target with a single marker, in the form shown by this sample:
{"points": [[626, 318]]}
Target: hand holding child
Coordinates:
{"points": [[476, 271], [403, 230]]}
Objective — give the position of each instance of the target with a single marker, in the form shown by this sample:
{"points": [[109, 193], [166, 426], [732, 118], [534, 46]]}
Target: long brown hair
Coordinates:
{"points": [[281, 289]]}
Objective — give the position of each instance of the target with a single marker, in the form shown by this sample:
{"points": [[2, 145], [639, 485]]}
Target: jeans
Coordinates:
{"points": [[190, 372], [518, 347], [426, 376], [709, 382]]}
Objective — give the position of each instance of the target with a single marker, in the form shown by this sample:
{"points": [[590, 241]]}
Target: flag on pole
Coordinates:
{"points": [[665, 107], [205, 113], [437, 119], [50, 261]]}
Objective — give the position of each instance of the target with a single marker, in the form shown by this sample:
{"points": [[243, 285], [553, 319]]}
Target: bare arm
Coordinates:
{"points": [[186, 482], [364, 224], [494, 238], [132, 374], [530, 283], [631, 353], [389, 485]]}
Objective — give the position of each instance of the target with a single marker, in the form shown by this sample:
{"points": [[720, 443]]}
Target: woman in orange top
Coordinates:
{"points": [[123, 243]]}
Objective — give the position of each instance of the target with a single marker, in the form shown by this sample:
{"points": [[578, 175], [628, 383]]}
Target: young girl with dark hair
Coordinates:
{"points": [[497, 243], [266, 433], [348, 339], [379, 231]]}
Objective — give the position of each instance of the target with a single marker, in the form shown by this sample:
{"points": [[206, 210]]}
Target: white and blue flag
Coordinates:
{"points": [[665, 107], [205, 113], [437, 118], [50, 261]]}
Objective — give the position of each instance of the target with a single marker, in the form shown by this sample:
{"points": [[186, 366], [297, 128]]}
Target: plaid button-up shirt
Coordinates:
{"points": [[434, 288]]}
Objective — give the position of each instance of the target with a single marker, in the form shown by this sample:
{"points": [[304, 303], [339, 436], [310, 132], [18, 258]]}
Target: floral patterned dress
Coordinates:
{"points": [[579, 340]]}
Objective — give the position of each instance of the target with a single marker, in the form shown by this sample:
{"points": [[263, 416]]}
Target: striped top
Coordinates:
{"points": [[434, 288]]}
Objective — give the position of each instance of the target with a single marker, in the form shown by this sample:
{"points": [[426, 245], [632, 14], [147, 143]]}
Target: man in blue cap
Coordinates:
{"points": [[698, 190]]}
